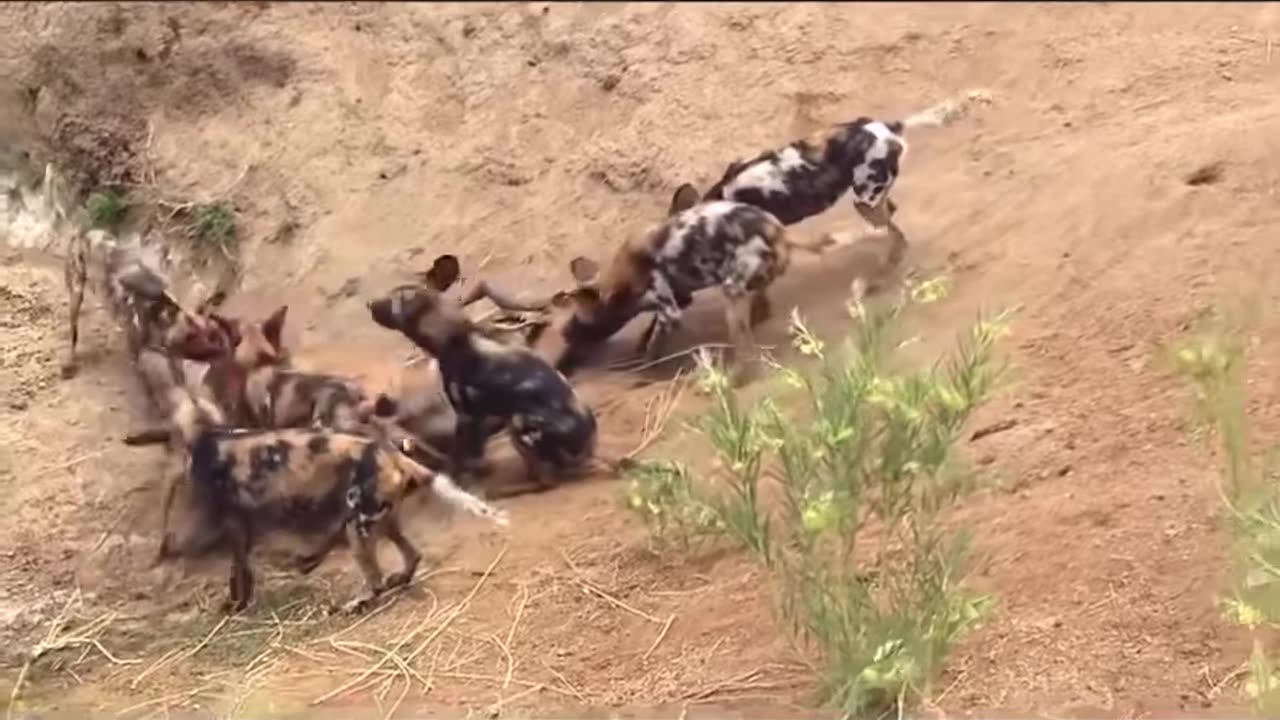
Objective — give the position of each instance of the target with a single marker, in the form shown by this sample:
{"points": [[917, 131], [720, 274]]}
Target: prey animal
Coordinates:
{"points": [[491, 385], [310, 482]]}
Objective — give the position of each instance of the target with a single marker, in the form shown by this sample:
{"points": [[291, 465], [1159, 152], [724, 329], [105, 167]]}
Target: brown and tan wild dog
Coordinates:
{"points": [[310, 482], [737, 246], [490, 385]]}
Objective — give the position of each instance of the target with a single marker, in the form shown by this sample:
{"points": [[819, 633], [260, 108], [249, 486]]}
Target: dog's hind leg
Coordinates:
{"points": [[391, 529], [171, 488], [305, 564], [75, 278]]}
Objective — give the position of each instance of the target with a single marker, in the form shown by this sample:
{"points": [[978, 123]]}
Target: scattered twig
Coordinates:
{"points": [[563, 680], [187, 695], [653, 429], [496, 708], [499, 680], [637, 365], [993, 428], [591, 587], [665, 627], [175, 655], [54, 641], [65, 465], [458, 609]]}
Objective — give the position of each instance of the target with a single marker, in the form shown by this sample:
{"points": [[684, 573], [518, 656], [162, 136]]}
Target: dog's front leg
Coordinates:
{"points": [[666, 319], [391, 528], [363, 546], [738, 317], [76, 284], [241, 540], [469, 439]]}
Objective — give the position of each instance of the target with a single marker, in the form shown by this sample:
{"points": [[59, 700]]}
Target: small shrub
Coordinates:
{"points": [[215, 223], [867, 574], [107, 209], [1211, 360]]}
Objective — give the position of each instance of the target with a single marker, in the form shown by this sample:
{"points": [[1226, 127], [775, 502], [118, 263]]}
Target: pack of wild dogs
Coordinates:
{"points": [[261, 446]]}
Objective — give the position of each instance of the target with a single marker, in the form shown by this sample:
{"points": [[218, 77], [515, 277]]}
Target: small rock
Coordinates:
{"points": [[1205, 174], [1064, 470], [610, 82]]}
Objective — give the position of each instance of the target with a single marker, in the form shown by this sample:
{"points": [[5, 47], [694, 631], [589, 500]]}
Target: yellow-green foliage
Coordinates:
{"points": [[1211, 359], [863, 449]]}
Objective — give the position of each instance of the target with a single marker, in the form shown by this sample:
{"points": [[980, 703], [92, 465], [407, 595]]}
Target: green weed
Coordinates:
{"points": [[868, 575]]}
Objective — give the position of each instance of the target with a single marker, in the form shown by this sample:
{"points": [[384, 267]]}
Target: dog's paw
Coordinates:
{"points": [[398, 579], [359, 605], [501, 518]]}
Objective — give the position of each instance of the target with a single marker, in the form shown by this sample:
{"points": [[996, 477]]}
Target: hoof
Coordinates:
{"points": [[69, 370]]}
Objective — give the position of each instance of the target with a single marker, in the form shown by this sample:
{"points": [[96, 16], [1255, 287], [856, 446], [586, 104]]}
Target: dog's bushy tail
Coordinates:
{"points": [[943, 113], [444, 488]]}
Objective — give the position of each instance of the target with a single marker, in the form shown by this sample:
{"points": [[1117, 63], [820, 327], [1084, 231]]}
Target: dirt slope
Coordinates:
{"points": [[359, 140]]}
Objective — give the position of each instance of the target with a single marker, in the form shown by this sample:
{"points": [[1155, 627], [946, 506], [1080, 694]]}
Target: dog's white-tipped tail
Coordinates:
{"points": [[444, 488], [947, 111]]}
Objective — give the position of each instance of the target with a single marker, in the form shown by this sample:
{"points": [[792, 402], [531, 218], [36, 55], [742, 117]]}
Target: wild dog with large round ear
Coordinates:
{"points": [[310, 482], [736, 246], [490, 385]]}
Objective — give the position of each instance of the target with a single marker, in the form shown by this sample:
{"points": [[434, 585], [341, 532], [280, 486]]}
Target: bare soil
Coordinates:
{"points": [[359, 140]]}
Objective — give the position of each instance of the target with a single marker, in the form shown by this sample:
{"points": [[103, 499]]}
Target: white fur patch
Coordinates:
{"points": [[769, 177], [444, 488], [885, 143]]}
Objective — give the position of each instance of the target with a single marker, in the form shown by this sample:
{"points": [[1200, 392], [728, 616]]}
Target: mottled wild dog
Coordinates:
{"points": [[310, 482], [490, 385], [737, 246], [808, 176], [136, 288]]}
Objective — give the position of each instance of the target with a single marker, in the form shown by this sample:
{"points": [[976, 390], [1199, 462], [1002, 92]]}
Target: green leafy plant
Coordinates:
{"points": [[1211, 359], [868, 574], [215, 223], [107, 209]]}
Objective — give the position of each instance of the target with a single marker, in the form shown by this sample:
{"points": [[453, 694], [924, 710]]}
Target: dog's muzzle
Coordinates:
{"points": [[382, 312]]}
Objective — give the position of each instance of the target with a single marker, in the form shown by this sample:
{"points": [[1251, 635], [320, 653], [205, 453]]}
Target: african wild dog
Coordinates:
{"points": [[136, 289], [309, 482], [737, 246], [490, 385], [808, 176]]}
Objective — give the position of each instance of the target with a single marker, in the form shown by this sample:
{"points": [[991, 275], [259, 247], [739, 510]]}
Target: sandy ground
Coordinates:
{"points": [[359, 140]]}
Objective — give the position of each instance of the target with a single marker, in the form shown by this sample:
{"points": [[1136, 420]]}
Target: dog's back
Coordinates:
{"points": [[809, 176], [736, 245], [290, 479]]}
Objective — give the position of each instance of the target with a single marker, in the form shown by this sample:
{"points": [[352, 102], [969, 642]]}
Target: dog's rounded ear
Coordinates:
{"points": [[444, 272], [587, 298], [584, 270], [384, 406], [685, 197], [273, 327]]}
